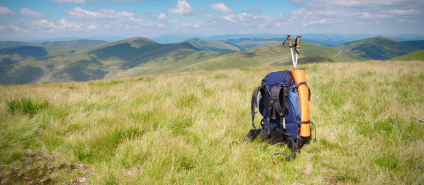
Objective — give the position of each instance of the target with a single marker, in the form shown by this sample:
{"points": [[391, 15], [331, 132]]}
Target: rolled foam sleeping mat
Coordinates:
{"points": [[299, 76]]}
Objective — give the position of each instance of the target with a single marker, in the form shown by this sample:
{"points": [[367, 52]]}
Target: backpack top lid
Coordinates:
{"points": [[283, 78]]}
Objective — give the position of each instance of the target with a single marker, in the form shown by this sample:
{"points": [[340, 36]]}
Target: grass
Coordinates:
{"points": [[175, 128], [25, 106], [418, 55]]}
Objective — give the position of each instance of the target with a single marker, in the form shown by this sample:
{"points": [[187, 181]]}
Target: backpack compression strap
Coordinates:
{"points": [[301, 83]]}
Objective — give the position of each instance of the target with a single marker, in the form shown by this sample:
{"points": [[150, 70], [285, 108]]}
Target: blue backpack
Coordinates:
{"points": [[280, 108]]}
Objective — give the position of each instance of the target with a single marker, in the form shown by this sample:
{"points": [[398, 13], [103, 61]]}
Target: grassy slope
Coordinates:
{"points": [[175, 128], [380, 48], [271, 55], [74, 44], [213, 45], [9, 44], [418, 55], [241, 44], [18, 54]]}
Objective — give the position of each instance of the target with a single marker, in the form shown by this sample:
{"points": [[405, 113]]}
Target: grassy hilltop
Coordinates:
{"points": [[175, 128], [380, 48]]}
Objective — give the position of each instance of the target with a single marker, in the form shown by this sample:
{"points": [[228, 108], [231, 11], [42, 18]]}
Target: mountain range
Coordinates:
{"points": [[137, 56], [380, 48]]}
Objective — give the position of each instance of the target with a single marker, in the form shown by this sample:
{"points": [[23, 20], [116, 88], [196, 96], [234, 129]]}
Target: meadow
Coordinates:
{"points": [[176, 128]]}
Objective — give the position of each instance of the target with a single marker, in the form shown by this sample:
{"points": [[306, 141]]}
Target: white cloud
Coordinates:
{"points": [[404, 12], [363, 4], [221, 8], [30, 13], [44, 26], [246, 20], [5, 11], [204, 13], [69, 1], [80, 13], [185, 25], [161, 17], [182, 8], [92, 27], [253, 9]]}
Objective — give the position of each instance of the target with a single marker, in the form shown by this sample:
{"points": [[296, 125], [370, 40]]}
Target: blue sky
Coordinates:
{"points": [[41, 19]]}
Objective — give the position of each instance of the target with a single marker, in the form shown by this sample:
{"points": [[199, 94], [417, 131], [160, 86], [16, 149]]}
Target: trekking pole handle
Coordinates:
{"points": [[290, 44], [298, 42]]}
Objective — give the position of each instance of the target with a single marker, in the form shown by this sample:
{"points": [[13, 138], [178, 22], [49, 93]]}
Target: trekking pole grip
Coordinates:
{"points": [[290, 44], [298, 42]]}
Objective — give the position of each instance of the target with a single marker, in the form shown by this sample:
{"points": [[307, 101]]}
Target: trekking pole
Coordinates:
{"points": [[291, 51], [297, 49]]}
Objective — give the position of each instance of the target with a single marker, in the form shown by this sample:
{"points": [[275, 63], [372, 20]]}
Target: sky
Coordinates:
{"points": [[42, 19]]}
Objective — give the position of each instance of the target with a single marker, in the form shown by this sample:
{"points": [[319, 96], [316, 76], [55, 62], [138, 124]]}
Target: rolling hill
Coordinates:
{"points": [[136, 56], [74, 44], [418, 55], [17, 54], [94, 63], [214, 45], [380, 48], [12, 52], [229, 45], [10, 44]]}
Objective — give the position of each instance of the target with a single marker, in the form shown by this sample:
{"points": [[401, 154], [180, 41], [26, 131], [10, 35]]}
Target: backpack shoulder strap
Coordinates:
{"points": [[254, 103], [275, 98]]}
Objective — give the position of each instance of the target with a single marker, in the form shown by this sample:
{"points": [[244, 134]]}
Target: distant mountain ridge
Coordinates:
{"points": [[74, 44], [330, 39], [231, 45], [93, 63], [380, 48], [21, 53], [136, 56]]}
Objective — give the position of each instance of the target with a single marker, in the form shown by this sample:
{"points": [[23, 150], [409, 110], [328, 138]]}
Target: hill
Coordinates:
{"points": [[73, 44], [213, 45], [136, 56], [273, 55], [10, 44], [229, 45], [17, 54], [176, 128], [380, 48], [93, 63], [418, 55]]}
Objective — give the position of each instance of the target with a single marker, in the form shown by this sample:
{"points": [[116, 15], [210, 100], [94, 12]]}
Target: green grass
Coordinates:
{"points": [[25, 106], [175, 128], [418, 55]]}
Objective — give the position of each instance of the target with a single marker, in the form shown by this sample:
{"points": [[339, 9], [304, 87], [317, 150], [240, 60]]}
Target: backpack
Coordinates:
{"points": [[280, 108]]}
